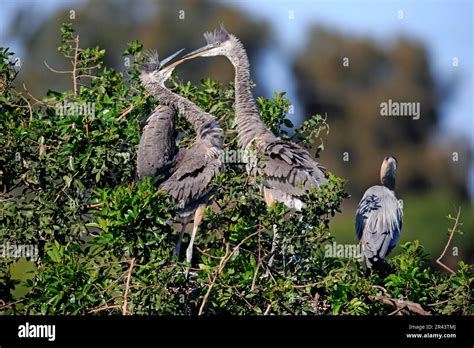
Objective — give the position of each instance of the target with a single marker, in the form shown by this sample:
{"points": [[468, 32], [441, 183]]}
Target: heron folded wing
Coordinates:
{"points": [[193, 174], [290, 168], [157, 146], [378, 222]]}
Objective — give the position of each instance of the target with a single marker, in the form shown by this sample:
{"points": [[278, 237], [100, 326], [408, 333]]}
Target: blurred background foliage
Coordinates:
{"points": [[429, 182]]}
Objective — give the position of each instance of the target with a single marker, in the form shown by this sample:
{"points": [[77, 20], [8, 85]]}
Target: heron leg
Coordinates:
{"points": [[272, 250], [269, 200], [177, 248], [198, 215]]}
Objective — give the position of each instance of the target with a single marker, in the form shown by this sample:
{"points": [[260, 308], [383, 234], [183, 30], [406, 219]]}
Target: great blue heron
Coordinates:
{"points": [[191, 170], [287, 169], [157, 150], [379, 216]]}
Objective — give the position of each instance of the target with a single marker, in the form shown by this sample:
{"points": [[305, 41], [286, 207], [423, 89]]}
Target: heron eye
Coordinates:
{"points": [[218, 43]]}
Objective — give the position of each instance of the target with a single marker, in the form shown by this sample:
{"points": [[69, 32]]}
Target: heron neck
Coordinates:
{"points": [[388, 180], [201, 121], [248, 122]]}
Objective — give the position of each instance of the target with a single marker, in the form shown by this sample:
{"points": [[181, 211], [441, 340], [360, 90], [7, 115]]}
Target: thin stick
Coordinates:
{"points": [[451, 234], [227, 256], [437, 303], [27, 102], [125, 113], [74, 65], [396, 311], [127, 287], [269, 307], [57, 71], [104, 308], [380, 287]]}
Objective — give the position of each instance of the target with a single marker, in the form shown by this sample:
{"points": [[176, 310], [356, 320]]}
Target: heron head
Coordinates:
{"points": [[154, 70], [387, 171], [219, 43]]}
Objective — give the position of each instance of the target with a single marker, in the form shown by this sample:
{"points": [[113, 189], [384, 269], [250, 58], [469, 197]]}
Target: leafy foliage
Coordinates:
{"points": [[106, 240]]}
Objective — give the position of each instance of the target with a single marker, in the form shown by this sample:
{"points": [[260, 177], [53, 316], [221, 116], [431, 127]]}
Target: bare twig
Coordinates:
{"points": [[451, 234], [302, 286], [127, 287], [269, 307], [437, 303], [396, 311], [37, 101], [5, 305], [57, 71], [27, 103], [211, 285], [103, 308], [227, 256], [94, 206], [74, 65], [380, 287], [254, 280], [125, 113]]}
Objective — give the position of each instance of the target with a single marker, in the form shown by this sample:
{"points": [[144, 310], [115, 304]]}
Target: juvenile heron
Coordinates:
{"points": [[287, 169], [190, 171], [157, 150], [379, 216]]}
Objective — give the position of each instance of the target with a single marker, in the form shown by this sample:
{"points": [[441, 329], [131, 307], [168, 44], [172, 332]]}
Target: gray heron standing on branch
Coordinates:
{"points": [[189, 171], [287, 169], [379, 217]]}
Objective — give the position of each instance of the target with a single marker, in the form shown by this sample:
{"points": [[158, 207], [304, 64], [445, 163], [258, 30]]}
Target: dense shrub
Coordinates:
{"points": [[105, 240]]}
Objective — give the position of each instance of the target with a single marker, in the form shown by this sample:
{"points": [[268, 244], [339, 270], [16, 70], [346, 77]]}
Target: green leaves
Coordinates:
{"points": [[273, 112], [70, 190]]}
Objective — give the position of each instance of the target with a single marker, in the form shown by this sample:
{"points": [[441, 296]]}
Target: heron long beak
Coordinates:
{"points": [[192, 55], [169, 58], [199, 51]]}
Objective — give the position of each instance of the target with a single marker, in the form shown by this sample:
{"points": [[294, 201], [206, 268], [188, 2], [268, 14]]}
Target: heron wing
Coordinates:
{"points": [[378, 221], [288, 167], [157, 147], [193, 172]]}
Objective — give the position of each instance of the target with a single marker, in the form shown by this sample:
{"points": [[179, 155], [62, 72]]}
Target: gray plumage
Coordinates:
{"points": [[379, 217], [192, 169], [157, 149], [288, 170], [197, 166]]}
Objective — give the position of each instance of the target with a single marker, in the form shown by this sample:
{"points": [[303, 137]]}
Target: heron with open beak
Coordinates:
{"points": [[287, 169], [191, 170]]}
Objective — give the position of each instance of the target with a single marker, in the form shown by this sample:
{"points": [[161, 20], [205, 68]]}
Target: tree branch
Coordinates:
{"points": [[227, 256], [74, 66], [451, 234], [127, 287]]}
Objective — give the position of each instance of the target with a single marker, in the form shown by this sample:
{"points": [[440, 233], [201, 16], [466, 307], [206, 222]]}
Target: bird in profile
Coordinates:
{"points": [[157, 150], [187, 172], [378, 220], [287, 169]]}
